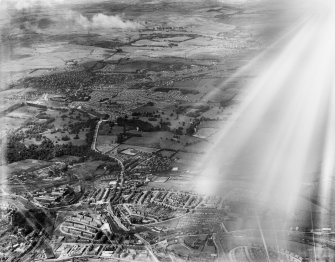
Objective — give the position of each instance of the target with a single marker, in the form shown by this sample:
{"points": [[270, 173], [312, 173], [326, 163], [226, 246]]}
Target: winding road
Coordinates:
{"points": [[93, 147]]}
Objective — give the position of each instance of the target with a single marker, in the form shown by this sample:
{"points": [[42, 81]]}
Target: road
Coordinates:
{"points": [[96, 132], [93, 147], [222, 255], [147, 246], [115, 218]]}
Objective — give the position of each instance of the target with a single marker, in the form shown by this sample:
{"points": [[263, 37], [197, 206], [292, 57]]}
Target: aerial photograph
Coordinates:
{"points": [[167, 130]]}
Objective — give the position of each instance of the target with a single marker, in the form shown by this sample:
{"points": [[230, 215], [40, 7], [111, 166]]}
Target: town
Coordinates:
{"points": [[106, 129]]}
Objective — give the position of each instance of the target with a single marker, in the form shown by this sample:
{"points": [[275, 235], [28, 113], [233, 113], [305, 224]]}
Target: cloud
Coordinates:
{"points": [[27, 4], [100, 21], [57, 15]]}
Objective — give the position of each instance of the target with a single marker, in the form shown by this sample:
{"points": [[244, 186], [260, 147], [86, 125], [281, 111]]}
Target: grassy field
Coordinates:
{"points": [[27, 164], [88, 169], [17, 118]]}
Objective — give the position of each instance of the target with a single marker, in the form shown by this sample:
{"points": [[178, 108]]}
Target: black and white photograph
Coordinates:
{"points": [[167, 130]]}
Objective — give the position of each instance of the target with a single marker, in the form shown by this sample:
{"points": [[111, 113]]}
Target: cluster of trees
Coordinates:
{"points": [[226, 102], [76, 127], [145, 114], [71, 150], [17, 151], [136, 220], [135, 123], [148, 127], [179, 131], [192, 127], [106, 128]]}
